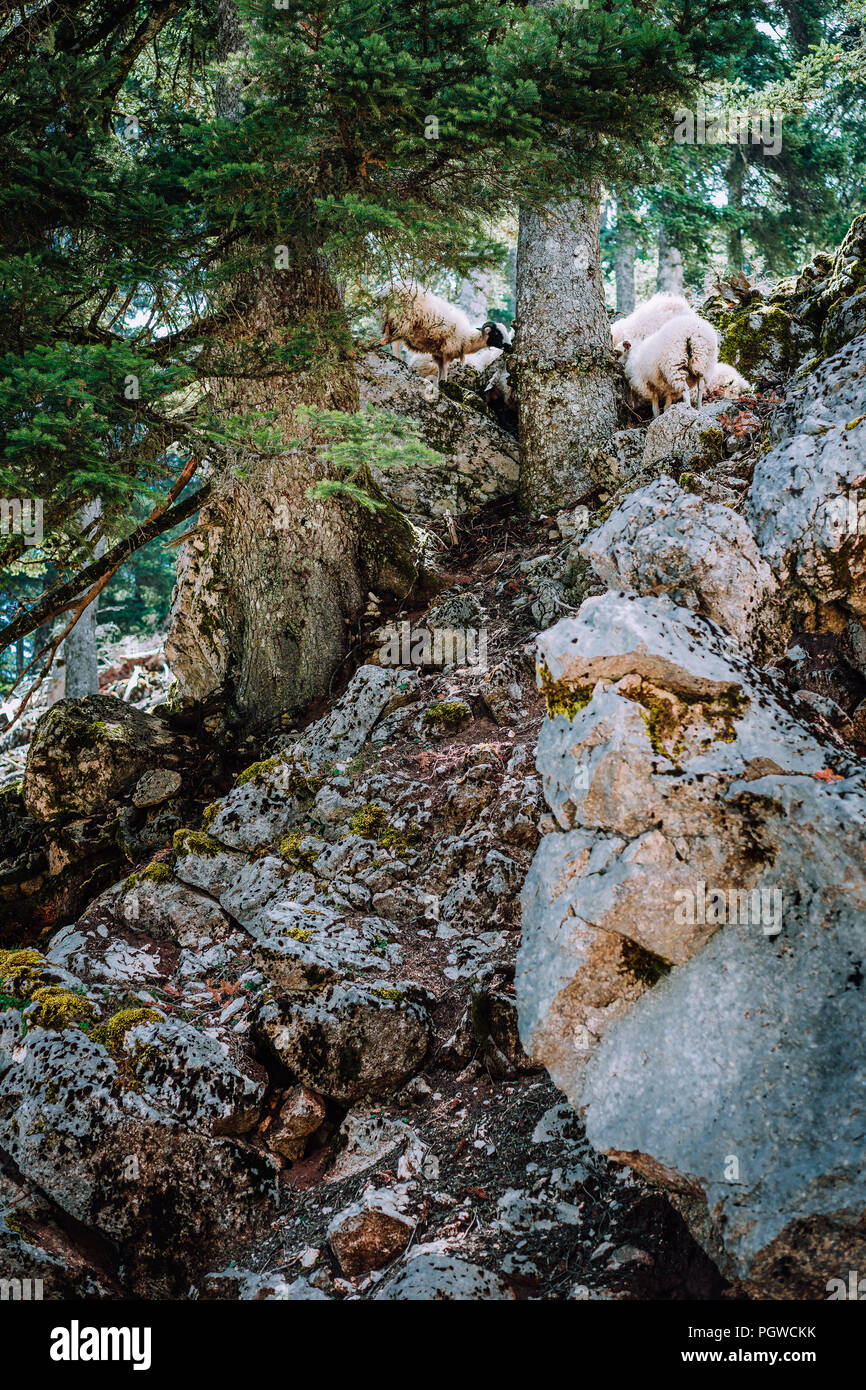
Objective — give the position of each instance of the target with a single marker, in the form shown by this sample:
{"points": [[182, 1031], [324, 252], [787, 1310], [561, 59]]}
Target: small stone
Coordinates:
{"points": [[369, 1234], [301, 1114], [155, 787]]}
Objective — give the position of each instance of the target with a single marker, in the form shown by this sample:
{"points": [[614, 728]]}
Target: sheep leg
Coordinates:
{"points": [[700, 391], [442, 364], [655, 401]]}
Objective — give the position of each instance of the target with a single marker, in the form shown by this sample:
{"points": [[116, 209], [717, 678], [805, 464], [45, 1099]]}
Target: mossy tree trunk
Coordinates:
{"points": [[272, 581], [562, 357]]}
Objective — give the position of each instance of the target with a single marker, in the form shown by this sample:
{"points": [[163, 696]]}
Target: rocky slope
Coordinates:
{"points": [[306, 1052]]}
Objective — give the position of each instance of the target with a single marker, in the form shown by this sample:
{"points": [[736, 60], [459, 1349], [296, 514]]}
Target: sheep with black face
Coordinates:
{"points": [[426, 323]]}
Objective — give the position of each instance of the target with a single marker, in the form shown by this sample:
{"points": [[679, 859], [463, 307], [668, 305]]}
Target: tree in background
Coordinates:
{"points": [[98, 262], [398, 134], [735, 206]]}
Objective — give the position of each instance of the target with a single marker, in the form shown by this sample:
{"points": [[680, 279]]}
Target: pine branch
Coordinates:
{"points": [[89, 581]]}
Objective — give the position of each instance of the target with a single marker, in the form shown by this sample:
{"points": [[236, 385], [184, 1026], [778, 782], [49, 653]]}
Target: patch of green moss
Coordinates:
{"points": [[561, 698], [256, 770], [22, 971], [210, 814], [660, 724], [369, 820], [61, 1008], [445, 714], [151, 873], [112, 1033], [746, 345], [401, 842], [195, 842], [383, 992], [290, 850], [643, 965]]}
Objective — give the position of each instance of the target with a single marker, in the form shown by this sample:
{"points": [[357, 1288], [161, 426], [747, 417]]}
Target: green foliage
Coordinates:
{"points": [[355, 443]]}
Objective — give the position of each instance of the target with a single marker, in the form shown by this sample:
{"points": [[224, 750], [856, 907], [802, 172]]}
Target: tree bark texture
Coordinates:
{"points": [[736, 179], [271, 580], [562, 359], [669, 278], [623, 262], [82, 663]]}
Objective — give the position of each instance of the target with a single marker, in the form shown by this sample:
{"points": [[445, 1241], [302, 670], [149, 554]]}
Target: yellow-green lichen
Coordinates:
{"points": [[445, 714], [60, 1008], [298, 933], [560, 697], [195, 842]]}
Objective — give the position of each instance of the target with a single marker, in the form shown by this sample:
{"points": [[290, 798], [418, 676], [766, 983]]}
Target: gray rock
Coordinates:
{"points": [[350, 1041], [710, 861], [661, 540], [86, 752], [479, 458], [430, 1277], [683, 436], [806, 505], [116, 1158]]}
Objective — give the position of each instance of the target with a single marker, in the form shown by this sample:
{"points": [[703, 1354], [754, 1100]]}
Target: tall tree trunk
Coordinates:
{"points": [[512, 274], [272, 580], [669, 278], [79, 648], [736, 178], [623, 260], [562, 358]]}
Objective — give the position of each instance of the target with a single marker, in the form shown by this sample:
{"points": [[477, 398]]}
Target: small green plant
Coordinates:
{"points": [[445, 714], [355, 443]]}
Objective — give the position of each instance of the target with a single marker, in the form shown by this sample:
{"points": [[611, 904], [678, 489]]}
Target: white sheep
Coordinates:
{"points": [[428, 324], [424, 365], [727, 381], [681, 354], [647, 318]]}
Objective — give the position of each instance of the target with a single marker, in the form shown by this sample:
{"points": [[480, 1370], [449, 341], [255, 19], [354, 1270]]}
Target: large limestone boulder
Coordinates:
{"points": [[692, 928], [479, 457], [806, 504], [87, 752], [118, 1119], [349, 1042], [662, 540]]}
